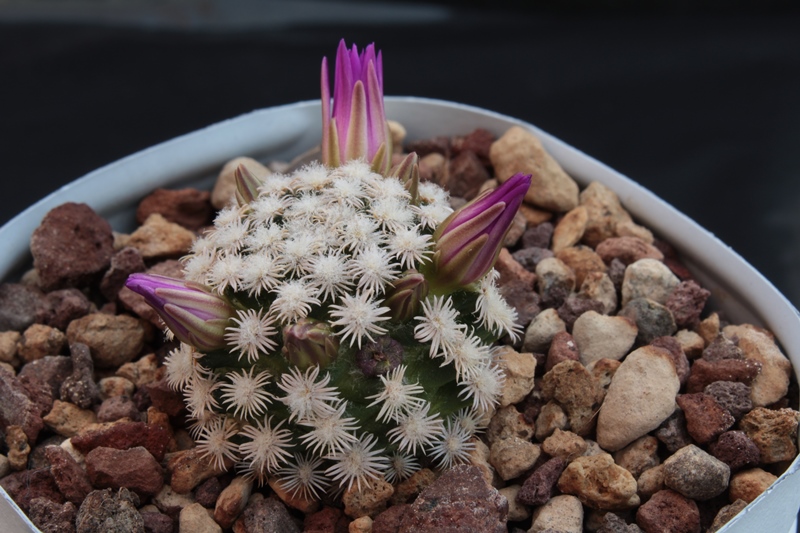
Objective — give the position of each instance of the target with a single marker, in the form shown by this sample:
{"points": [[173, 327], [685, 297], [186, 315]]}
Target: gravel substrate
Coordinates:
{"points": [[628, 406]]}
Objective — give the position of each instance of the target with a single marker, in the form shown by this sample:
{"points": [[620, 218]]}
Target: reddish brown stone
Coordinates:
{"points": [[722, 348], [208, 491], [17, 408], [686, 302], [562, 348], [324, 521], [155, 522], [70, 478], [123, 263], [52, 517], [575, 305], [627, 249], [479, 141], [72, 247], [521, 296], [21, 306], [125, 435], [538, 236], [27, 485], [538, 488], [165, 398], [705, 372], [191, 208], [679, 359], [705, 419], [459, 500], [669, 512], [116, 408], [467, 175], [389, 520], [134, 469], [45, 375], [672, 432], [423, 147], [267, 515], [736, 449], [65, 306]]}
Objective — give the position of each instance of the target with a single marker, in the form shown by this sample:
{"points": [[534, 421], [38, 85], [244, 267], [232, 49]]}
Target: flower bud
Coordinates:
{"points": [[404, 297], [356, 128], [193, 313], [380, 356], [247, 185], [468, 242], [310, 342], [407, 171]]}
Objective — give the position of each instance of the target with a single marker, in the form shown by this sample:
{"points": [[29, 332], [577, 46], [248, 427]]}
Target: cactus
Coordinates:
{"points": [[360, 314]]}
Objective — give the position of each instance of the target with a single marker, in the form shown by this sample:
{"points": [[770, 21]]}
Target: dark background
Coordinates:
{"points": [[698, 101]]}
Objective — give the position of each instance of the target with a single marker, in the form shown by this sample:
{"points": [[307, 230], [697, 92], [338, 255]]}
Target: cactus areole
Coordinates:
{"points": [[349, 332]]}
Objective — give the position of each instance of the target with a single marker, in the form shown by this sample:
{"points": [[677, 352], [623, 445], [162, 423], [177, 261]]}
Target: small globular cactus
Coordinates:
{"points": [[359, 318]]}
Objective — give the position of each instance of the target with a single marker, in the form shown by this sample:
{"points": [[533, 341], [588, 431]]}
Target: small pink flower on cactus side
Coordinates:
{"points": [[356, 128], [468, 242], [195, 315]]}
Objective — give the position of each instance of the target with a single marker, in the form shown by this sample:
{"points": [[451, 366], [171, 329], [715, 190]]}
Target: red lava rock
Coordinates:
{"points": [[423, 147], [51, 517], [731, 395], [80, 387], [45, 375], [530, 257], [478, 141], [70, 477], [575, 305], [155, 522], [208, 491], [521, 296], [71, 247], [705, 419], [467, 175], [27, 485], [124, 435], [21, 306], [134, 469], [735, 449], [722, 348], [538, 488], [705, 372], [326, 520], [459, 500], [104, 511], [562, 348], [669, 512], [164, 398], [191, 208], [671, 345], [65, 306], [116, 408], [123, 263], [614, 524], [686, 302], [627, 249], [538, 236], [17, 408], [267, 515]]}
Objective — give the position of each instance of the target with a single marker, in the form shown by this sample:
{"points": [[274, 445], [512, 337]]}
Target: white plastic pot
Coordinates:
{"points": [[281, 133]]}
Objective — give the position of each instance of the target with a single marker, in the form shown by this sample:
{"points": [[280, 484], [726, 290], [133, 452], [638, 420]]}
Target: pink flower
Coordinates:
{"points": [[357, 127], [193, 313], [468, 242]]}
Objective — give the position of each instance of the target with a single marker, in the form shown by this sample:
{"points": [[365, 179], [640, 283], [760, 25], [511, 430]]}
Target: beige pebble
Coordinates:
{"points": [[565, 445], [224, 191], [362, 524], [533, 215], [582, 260], [569, 230], [407, 490], [519, 150], [114, 386], [160, 238], [628, 228], [189, 468], [726, 514], [194, 518], [748, 485], [517, 512], [551, 417], [296, 500], [511, 457], [603, 337], [709, 328], [433, 167], [650, 481], [112, 339], [541, 331], [640, 397], [599, 483], [397, 133], [598, 286], [168, 501], [140, 372], [605, 213], [369, 499], [519, 370], [571, 385], [38, 341], [648, 278], [479, 456], [691, 343], [562, 513], [772, 383], [18, 448], [8, 347], [638, 456], [508, 422], [232, 500], [67, 419]]}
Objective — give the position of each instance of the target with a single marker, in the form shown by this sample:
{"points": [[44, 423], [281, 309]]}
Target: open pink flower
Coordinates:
{"points": [[468, 242], [193, 313], [356, 129]]}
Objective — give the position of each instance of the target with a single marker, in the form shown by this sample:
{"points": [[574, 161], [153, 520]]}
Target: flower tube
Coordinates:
{"points": [[468, 242], [195, 315], [356, 127]]}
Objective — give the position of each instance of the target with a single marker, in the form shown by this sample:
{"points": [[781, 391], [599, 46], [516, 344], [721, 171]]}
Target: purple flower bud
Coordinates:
{"points": [[468, 242], [193, 313], [356, 129], [405, 295], [310, 342], [407, 171], [380, 356]]}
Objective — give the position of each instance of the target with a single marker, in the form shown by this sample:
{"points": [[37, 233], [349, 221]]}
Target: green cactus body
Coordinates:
{"points": [[354, 394]]}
